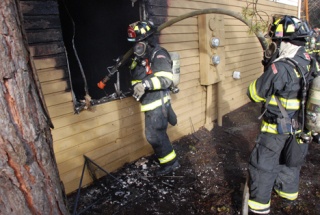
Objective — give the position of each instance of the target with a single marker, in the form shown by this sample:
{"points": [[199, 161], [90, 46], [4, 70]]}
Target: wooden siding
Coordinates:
{"points": [[113, 134]]}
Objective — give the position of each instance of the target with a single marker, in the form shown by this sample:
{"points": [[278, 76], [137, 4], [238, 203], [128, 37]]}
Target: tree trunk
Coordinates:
{"points": [[29, 179]]}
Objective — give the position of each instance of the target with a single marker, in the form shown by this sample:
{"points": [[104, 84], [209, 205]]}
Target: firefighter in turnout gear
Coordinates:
{"points": [[280, 80], [313, 44], [151, 71], [316, 51]]}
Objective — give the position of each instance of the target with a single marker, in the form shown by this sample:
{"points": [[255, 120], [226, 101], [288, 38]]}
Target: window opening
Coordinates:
{"points": [[95, 36]]}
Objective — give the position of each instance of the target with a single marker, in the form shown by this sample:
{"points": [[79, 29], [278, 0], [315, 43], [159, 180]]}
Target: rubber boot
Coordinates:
{"points": [[166, 169]]}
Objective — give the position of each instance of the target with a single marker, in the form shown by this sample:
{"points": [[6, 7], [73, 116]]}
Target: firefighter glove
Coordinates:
{"points": [[138, 91]]}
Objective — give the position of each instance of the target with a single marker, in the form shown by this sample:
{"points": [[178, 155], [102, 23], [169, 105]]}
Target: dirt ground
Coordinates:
{"points": [[210, 180]]}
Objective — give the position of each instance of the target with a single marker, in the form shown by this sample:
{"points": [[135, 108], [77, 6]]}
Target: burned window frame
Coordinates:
{"points": [[84, 101]]}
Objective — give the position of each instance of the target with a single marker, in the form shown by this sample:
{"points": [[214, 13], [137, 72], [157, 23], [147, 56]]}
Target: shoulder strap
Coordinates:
{"points": [[286, 119], [305, 86], [283, 111], [300, 69]]}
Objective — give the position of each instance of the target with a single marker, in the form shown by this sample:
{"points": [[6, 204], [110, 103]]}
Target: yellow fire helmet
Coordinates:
{"points": [[288, 27]]}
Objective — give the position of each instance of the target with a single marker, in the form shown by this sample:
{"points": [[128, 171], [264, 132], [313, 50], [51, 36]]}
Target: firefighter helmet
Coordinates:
{"points": [[288, 27], [140, 30]]}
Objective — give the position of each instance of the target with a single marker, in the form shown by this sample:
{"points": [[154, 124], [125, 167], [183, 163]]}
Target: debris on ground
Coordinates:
{"points": [[210, 180]]}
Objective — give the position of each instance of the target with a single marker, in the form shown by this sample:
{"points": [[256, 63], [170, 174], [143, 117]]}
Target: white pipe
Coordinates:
{"points": [[299, 8]]}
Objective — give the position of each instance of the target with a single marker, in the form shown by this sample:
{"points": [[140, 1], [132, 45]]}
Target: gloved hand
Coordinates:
{"points": [[138, 91]]}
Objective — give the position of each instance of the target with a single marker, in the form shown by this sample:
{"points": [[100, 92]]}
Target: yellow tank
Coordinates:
{"points": [[312, 120], [175, 57]]}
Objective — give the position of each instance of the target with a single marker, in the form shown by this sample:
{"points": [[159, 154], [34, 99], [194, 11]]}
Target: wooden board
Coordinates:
{"points": [[43, 35], [51, 74], [44, 49], [50, 62], [39, 8]]}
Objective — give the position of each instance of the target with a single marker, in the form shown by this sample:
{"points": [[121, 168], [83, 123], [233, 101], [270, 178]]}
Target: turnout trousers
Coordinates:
{"points": [[156, 124], [267, 172]]}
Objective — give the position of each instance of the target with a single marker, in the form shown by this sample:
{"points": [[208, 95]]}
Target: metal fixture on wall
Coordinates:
{"points": [[215, 42], [215, 59], [236, 74]]}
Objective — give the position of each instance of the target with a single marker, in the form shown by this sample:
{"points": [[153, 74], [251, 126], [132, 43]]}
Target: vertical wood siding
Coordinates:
{"points": [[113, 134]]}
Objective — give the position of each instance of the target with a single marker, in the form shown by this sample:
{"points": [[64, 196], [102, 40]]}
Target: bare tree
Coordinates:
{"points": [[29, 179]]}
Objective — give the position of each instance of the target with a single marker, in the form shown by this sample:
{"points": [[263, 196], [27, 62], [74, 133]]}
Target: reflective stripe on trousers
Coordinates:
{"points": [[290, 196], [258, 206], [171, 156]]}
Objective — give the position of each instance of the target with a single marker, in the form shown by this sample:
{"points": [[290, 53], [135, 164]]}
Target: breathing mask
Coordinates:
{"points": [[140, 48]]}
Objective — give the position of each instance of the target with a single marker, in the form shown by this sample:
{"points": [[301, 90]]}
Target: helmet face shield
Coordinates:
{"points": [[304, 29]]}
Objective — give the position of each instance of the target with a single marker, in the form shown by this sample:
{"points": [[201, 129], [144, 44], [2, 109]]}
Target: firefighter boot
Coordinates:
{"points": [[288, 205], [167, 168]]}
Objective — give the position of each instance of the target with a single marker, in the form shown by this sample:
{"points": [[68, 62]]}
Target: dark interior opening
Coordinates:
{"points": [[100, 37]]}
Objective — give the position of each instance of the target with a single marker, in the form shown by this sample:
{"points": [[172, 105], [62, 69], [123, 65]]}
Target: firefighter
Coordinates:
{"points": [[312, 45], [282, 80], [151, 78], [317, 45]]}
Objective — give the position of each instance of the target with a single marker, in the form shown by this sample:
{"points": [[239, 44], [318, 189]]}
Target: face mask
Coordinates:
{"points": [[139, 49]]}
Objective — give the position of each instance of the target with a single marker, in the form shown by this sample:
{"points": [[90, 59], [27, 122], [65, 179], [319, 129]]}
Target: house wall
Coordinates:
{"points": [[113, 133]]}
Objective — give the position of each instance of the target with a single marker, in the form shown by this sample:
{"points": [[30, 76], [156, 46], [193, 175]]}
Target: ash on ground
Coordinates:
{"points": [[210, 180]]}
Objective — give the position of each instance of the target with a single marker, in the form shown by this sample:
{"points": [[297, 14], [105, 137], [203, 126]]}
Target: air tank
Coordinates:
{"points": [[312, 120], [175, 57]]}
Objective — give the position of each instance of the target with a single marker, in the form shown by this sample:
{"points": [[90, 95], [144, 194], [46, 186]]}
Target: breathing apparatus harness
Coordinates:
{"points": [[286, 121], [140, 52], [147, 62]]}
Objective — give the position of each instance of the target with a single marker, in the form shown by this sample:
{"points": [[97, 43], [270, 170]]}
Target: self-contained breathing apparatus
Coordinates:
{"points": [[292, 29], [313, 108], [313, 43], [138, 32], [309, 112], [175, 66], [305, 135]]}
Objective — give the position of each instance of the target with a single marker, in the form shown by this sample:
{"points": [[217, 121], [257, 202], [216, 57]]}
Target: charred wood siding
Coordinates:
{"points": [[112, 135], [42, 26]]}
